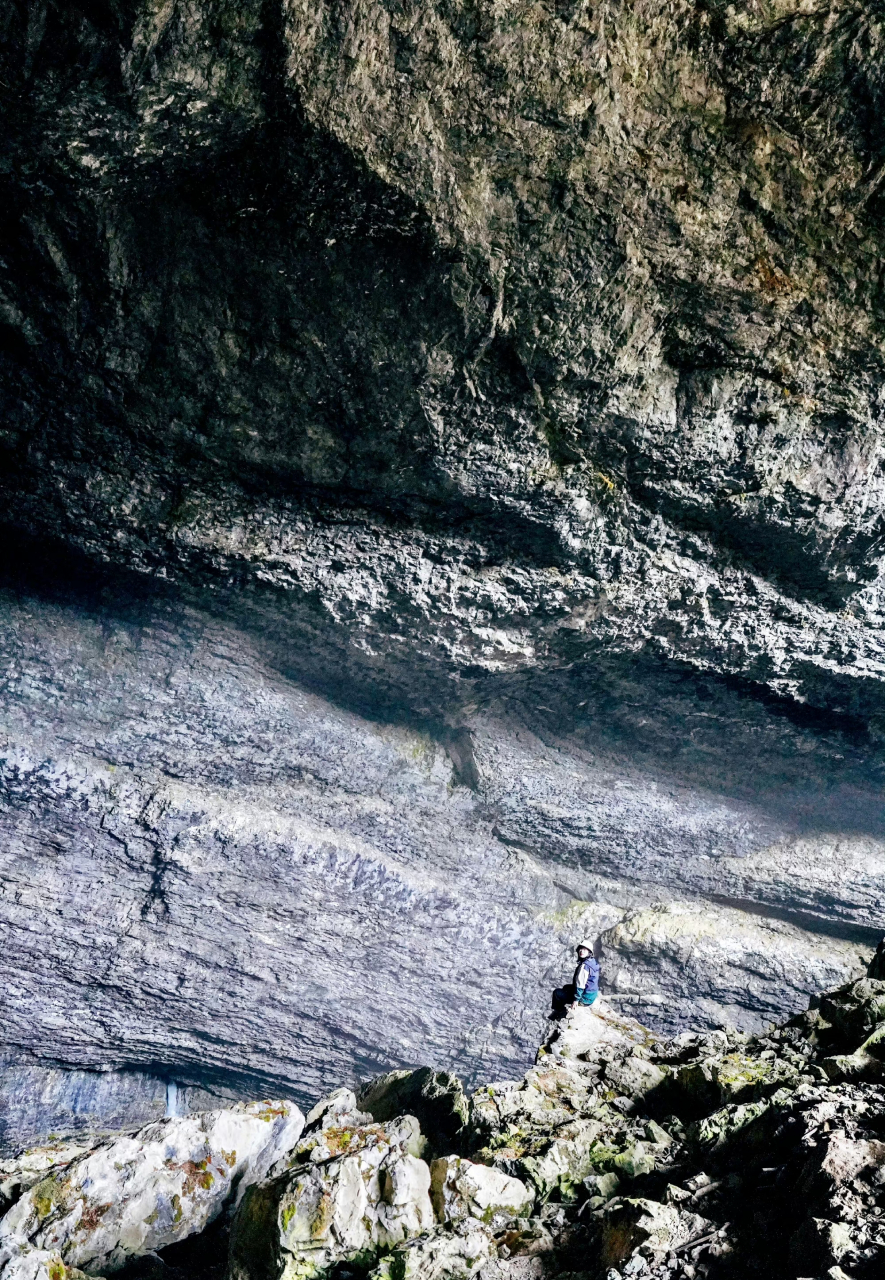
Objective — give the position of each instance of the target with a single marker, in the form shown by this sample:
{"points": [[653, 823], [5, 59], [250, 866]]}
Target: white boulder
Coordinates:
{"points": [[137, 1193], [593, 1033], [462, 1189], [337, 1109], [373, 1195]]}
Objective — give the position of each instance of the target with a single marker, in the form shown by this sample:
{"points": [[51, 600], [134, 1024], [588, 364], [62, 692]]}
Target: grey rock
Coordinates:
{"points": [[515, 1269], [360, 1192], [635, 1077], [42, 1264], [442, 475], [462, 1189], [646, 1228], [591, 358], [435, 1098], [456, 1253], [561, 1124], [673, 962], [123, 1199], [38, 1103], [356, 1196], [177, 810], [692, 1197], [337, 1111]]}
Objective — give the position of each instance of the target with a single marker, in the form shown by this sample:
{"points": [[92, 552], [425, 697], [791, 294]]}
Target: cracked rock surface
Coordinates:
{"points": [[441, 466], [619, 1154]]}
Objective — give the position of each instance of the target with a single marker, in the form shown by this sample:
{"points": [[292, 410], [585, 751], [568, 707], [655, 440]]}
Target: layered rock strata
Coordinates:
{"points": [[441, 474], [209, 870]]}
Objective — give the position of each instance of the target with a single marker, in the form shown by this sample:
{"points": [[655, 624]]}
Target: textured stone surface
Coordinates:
{"points": [[677, 962], [42, 1264], [454, 1254], [435, 1098], [585, 302], [178, 811], [126, 1198], [461, 1189], [760, 1163], [356, 1192], [442, 474], [37, 1100], [751, 1156]]}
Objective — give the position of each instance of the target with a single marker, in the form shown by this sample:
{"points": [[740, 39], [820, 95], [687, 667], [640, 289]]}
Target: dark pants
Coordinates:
{"points": [[564, 996]]}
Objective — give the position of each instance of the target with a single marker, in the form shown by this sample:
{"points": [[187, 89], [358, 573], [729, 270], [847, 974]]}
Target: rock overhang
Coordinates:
{"points": [[547, 450]]}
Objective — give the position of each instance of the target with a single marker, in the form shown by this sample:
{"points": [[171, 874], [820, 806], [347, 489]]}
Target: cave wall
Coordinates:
{"points": [[441, 469]]}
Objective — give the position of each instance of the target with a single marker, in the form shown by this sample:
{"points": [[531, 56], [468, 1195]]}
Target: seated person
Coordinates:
{"points": [[584, 987]]}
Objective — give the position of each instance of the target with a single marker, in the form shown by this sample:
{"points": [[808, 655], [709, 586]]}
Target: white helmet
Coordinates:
{"points": [[587, 945]]}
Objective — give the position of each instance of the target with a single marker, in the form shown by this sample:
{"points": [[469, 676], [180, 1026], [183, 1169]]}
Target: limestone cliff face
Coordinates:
{"points": [[442, 474]]}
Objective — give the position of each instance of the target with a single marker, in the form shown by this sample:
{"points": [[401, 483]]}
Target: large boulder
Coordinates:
{"points": [[551, 1094], [851, 1014], [722, 1079], [333, 1127], [634, 1076], [576, 1152], [578, 1112], [436, 1099], [144, 1191], [339, 1109], [462, 1189], [846, 1159], [715, 1131], [350, 1194], [595, 1033]]}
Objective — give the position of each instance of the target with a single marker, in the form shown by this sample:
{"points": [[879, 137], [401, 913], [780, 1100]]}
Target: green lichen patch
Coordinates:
{"points": [[47, 1196]]}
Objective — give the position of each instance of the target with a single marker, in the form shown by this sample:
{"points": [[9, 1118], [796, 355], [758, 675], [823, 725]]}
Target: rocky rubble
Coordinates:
{"points": [[619, 1156], [354, 1191]]}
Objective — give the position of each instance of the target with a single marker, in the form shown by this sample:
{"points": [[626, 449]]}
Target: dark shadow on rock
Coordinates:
{"points": [[435, 1098]]}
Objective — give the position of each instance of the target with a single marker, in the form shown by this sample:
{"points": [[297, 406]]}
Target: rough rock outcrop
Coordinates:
{"points": [[456, 1253], [585, 298], [441, 465], [620, 1155], [97, 1210], [348, 1193], [435, 1098], [355, 1193], [177, 811], [461, 1189], [705, 1156]]}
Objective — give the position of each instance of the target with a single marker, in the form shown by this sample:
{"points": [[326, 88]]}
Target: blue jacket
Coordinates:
{"points": [[587, 976]]}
